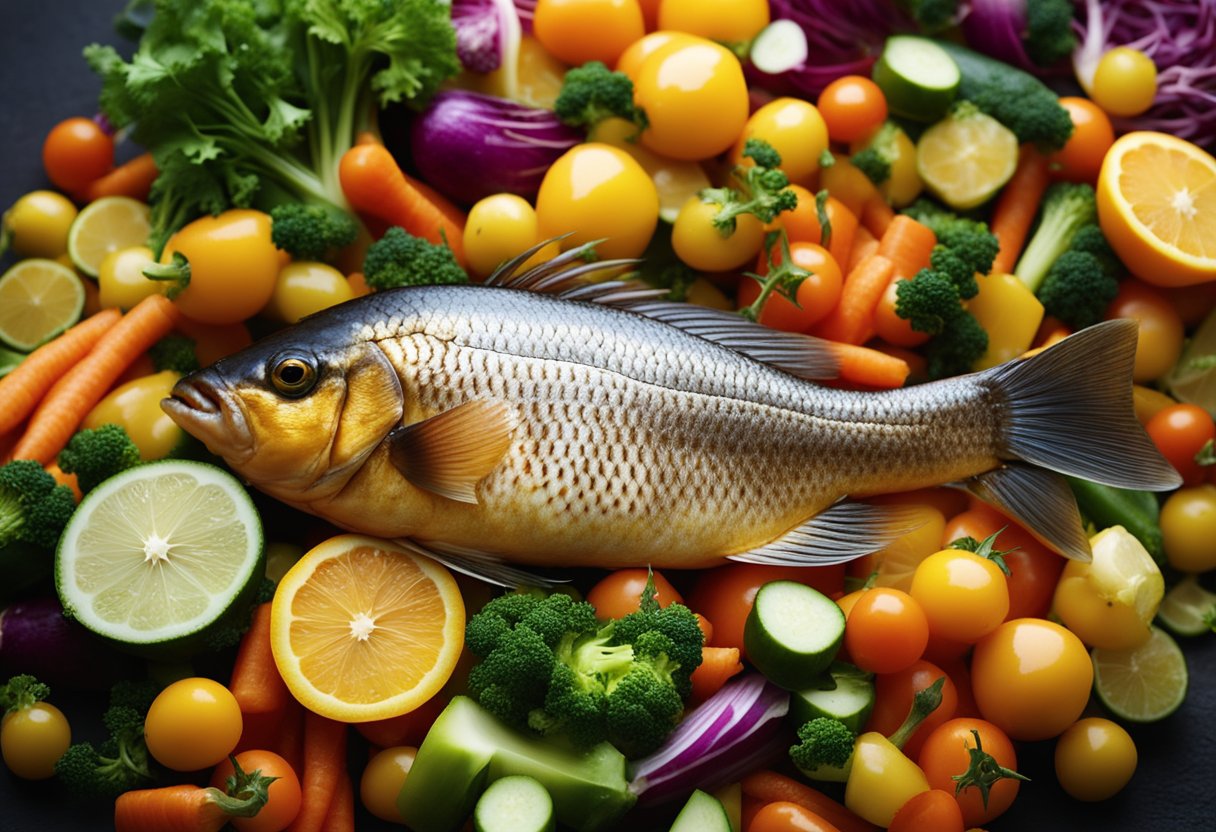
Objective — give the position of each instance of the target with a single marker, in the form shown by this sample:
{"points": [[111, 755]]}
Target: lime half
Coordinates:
{"points": [[156, 558], [1186, 607], [104, 226], [967, 157], [38, 300], [1144, 684]]}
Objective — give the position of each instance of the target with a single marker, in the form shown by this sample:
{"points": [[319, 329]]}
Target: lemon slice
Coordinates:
{"points": [[362, 629], [38, 300], [1144, 684], [967, 157], [1123, 572], [105, 225], [1186, 608], [160, 557]]}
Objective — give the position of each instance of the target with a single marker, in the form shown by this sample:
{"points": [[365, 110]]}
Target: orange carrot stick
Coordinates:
{"points": [[187, 808], [887, 323], [852, 320], [876, 215], [907, 244], [869, 368], [83, 386], [131, 179], [718, 664], [374, 184], [864, 244], [256, 683], [341, 814], [1016, 208], [289, 740], [324, 768], [24, 387], [771, 787]]}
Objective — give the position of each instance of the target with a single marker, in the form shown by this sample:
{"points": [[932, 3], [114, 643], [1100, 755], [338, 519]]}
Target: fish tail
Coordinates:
{"points": [[1069, 409]]}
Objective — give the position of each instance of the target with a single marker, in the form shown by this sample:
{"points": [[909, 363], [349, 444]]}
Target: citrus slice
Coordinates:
{"points": [[105, 225], [1156, 200], [1123, 572], [1187, 608], [160, 558], [362, 629], [1144, 684], [1193, 379], [38, 300], [967, 157], [896, 563]]}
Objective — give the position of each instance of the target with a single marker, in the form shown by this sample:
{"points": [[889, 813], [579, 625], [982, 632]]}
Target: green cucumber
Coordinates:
{"points": [[850, 699], [702, 813], [1136, 511], [792, 633], [919, 79], [516, 803]]}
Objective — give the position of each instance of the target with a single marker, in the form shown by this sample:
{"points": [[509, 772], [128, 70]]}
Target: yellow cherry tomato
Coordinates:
{"points": [[33, 738], [577, 31], [305, 287], [1031, 678], [637, 52], [595, 191], [499, 227], [1095, 758], [121, 281], [39, 223], [136, 407], [1188, 527], [695, 98], [965, 596], [702, 246], [795, 130], [382, 781], [1125, 82], [193, 724], [1095, 619], [727, 21]]}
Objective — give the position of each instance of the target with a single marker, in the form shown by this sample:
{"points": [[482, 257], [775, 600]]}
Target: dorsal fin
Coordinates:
{"points": [[554, 275]]}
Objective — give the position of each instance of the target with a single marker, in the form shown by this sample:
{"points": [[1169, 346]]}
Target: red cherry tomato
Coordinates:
{"points": [[893, 694], [285, 794], [945, 754], [933, 811], [1180, 431]]}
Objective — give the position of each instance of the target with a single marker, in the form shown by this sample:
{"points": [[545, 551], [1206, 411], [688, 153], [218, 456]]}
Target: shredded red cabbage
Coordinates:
{"points": [[526, 9], [1180, 37]]}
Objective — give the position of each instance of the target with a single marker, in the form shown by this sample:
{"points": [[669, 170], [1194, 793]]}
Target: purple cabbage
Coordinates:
{"points": [[526, 9], [995, 27], [487, 33]]}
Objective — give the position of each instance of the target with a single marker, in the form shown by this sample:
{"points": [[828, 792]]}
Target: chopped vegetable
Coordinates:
{"points": [[401, 259], [825, 746], [1067, 207], [1030, 34], [33, 507], [175, 353], [192, 807], [487, 34], [121, 763], [309, 231], [97, 454], [592, 92], [763, 189]]}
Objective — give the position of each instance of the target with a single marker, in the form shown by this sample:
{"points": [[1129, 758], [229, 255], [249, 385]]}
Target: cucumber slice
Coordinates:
{"points": [[851, 699], [792, 633], [516, 803], [702, 813], [918, 77], [780, 47]]}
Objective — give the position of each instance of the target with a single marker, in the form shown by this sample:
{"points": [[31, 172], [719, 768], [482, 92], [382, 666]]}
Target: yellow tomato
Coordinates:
{"points": [[39, 223], [33, 738], [136, 406], [595, 191], [727, 21], [499, 227], [1095, 758], [795, 130], [305, 287], [382, 781], [964, 596], [637, 52], [120, 278], [1095, 619], [703, 247], [193, 724], [695, 98], [1188, 527], [577, 31]]}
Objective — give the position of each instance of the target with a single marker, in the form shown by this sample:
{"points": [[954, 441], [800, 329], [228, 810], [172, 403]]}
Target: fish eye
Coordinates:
{"points": [[293, 376]]}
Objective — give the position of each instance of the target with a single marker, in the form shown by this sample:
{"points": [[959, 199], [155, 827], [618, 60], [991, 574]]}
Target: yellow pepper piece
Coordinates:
{"points": [[881, 780], [1148, 402], [1009, 312]]}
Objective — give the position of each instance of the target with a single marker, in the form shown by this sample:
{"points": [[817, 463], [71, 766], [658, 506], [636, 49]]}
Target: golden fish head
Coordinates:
{"points": [[295, 414]]}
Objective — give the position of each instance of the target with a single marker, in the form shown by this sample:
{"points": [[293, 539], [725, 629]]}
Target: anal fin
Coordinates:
{"points": [[844, 532], [484, 566], [449, 453], [1041, 501]]}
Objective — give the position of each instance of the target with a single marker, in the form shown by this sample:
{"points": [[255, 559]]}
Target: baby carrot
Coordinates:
{"points": [[256, 683], [324, 768], [864, 244], [907, 244], [341, 814], [1016, 208], [718, 664], [187, 808], [852, 320], [132, 179], [876, 215], [869, 368], [770, 787]]}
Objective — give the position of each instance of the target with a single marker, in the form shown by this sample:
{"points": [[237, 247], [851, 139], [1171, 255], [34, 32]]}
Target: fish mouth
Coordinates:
{"points": [[212, 415]]}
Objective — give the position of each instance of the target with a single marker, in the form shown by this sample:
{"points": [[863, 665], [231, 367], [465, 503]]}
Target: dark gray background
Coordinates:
{"points": [[43, 79]]}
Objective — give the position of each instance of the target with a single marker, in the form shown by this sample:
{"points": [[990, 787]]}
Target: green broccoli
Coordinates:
{"points": [[592, 92], [121, 763], [310, 231], [824, 749], [21, 691], [933, 16], [1091, 240], [33, 507], [401, 259], [176, 353], [879, 153], [1067, 207], [966, 238], [1049, 38], [763, 189], [96, 454], [1077, 289]]}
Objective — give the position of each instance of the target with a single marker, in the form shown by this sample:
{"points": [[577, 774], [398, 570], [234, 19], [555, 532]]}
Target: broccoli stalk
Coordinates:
{"points": [[1067, 208], [310, 231], [401, 259], [763, 189], [96, 454], [33, 507], [592, 93]]}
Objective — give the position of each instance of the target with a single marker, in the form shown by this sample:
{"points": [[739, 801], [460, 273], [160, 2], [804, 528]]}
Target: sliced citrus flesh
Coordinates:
{"points": [[1144, 684], [104, 226], [362, 629], [1156, 199], [1193, 379], [1187, 608], [38, 300], [966, 158]]}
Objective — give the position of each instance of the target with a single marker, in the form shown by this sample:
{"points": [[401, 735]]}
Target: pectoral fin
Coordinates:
{"points": [[844, 532], [1041, 501], [450, 453], [481, 565]]}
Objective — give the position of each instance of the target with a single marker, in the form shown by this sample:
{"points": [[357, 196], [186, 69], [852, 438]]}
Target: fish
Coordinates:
{"points": [[540, 421]]}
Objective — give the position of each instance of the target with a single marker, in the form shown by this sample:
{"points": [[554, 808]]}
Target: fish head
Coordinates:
{"points": [[297, 413]]}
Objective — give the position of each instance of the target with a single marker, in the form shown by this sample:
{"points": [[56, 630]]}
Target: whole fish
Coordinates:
{"points": [[492, 425]]}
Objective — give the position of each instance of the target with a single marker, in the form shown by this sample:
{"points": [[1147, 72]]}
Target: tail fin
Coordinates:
{"points": [[1069, 409]]}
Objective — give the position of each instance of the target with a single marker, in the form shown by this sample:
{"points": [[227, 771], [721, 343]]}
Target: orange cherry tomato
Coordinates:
{"points": [[945, 754], [784, 816], [76, 152], [893, 694], [933, 811], [817, 295], [886, 631], [577, 31], [853, 107], [802, 223], [620, 592], [285, 794], [1092, 135]]}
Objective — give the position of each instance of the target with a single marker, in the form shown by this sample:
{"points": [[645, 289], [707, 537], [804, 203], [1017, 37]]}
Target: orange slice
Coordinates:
{"points": [[1157, 206], [362, 629]]}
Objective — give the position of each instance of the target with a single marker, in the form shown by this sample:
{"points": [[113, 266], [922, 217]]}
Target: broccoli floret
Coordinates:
{"points": [[933, 16], [822, 743], [955, 268], [929, 301], [879, 153], [959, 345], [21, 691], [176, 353], [401, 259], [592, 92], [1078, 289], [763, 189], [33, 507], [1049, 37], [121, 762], [676, 623], [643, 707], [96, 454], [966, 238], [1091, 240], [310, 231], [1067, 208]]}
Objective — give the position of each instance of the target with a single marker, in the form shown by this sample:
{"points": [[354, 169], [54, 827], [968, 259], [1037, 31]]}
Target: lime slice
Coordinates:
{"points": [[1144, 684], [1123, 572], [105, 225], [1193, 379], [966, 158], [38, 300], [1187, 607], [161, 557]]}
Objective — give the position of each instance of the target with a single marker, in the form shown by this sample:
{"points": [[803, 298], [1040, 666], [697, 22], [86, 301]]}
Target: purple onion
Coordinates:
{"points": [[35, 638]]}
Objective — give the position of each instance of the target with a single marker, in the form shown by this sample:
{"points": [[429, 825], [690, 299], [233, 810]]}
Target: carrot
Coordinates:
{"points": [[190, 808], [289, 739], [65, 479], [324, 768], [907, 244], [852, 320], [131, 179], [771, 787], [717, 665], [24, 387], [1016, 208], [707, 627], [889, 326], [341, 814], [876, 215], [375, 185], [869, 368], [864, 244], [256, 683], [75, 394]]}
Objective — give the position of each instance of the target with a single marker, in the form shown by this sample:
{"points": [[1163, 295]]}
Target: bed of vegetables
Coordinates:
{"points": [[933, 186]]}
